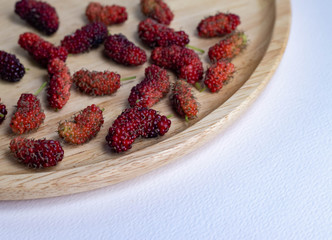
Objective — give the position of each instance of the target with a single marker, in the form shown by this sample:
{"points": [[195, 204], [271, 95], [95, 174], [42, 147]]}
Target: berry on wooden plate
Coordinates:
{"points": [[11, 69], [121, 50], [40, 15], [41, 50], [97, 83], [185, 62], [88, 37], [108, 15], [39, 153], [29, 114], [154, 87], [228, 48], [220, 25], [183, 100], [84, 127], [157, 10], [217, 74], [155, 34], [133, 123], [58, 92]]}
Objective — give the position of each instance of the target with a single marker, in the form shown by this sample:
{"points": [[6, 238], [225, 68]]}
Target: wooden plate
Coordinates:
{"points": [[93, 165]]}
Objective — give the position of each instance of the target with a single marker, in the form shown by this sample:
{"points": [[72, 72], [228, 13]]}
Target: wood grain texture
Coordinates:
{"points": [[93, 165]]}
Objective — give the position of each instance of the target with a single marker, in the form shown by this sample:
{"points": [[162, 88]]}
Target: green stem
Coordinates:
{"points": [[203, 89], [27, 69], [169, 116], [1, 115], [128, 78], [40, 89], [244, 39], [195, 48], [199, 87], [186, 118]]}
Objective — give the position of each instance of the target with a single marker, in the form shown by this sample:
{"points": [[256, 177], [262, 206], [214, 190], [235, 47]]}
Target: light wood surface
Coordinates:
{"points": [[93, 165]]}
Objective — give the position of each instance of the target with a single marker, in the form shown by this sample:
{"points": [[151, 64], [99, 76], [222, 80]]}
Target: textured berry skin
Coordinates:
{"points": [[11, 69], [29, 114], [121, 50], [58, 92], [220, 25], [38, 14], [154, 87], [108, 15], [3, 112], [217, 74], [228, 48], [157, 10], [183, 100], [185, 62], [40, 153], [155, 34], [133, 123], [41, 50], [88, 37], [97, 83], [85, 126]]}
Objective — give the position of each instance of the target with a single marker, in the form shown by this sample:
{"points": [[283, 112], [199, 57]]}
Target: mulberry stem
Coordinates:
{"points": [[127, 78], [40, 89], [199, 87], [195, 48]]}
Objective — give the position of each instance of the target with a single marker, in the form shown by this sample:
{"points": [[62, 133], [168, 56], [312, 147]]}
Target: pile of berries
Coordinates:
{"points": [[170, 50]]}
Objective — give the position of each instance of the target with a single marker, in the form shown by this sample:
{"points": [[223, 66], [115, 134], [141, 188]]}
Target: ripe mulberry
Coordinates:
{"points": [[133, 123], [88, 37], [217, 74], [58, 92], [157, 10], [220, 24], [155, 86], [40, 153], [228, 48], [108, 15], [121, 50], [185, 62], [183, 100], [28, 115], [97, 83], [11, 68], [155, 34], [38, 14], [41, 50]]}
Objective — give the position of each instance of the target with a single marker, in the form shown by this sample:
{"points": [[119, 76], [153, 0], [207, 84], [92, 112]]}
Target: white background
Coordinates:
{"points": [[268, 176]]}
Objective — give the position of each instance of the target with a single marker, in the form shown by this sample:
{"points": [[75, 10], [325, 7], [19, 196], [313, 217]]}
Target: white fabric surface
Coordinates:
{"points": [[268, 176]]}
